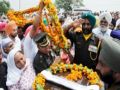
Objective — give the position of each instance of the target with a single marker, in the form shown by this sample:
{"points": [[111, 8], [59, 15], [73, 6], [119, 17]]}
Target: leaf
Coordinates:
{"points": [[66, 4], [39, 87], [4, 6]]}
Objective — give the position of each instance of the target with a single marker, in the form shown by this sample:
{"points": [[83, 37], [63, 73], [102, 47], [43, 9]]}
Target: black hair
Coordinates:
{"points": [[25, 27]]}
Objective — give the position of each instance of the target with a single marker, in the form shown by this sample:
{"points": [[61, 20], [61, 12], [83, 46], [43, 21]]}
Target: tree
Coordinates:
{"points": [[67, 4], [4, 6], [78, 2], [64, 4]]}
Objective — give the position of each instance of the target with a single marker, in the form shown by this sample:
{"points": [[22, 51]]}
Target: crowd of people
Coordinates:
{"points": [[26, 51]]}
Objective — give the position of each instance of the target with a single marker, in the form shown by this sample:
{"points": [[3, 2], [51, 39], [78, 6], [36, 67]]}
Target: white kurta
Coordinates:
{"points": [[29, 47], [97, 32]]}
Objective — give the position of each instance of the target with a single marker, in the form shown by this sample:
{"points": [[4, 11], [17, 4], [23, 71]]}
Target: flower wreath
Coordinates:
{"points": [[55, 32], [76, 73], [18, 17]]}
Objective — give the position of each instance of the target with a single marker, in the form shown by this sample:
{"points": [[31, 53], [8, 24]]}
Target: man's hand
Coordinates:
{"points": [[37, 20], [57, 60], [41, 5], [77, 23]]}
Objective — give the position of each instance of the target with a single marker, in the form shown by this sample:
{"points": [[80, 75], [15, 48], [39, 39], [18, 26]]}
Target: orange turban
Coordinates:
{"points": [[10, 27]]}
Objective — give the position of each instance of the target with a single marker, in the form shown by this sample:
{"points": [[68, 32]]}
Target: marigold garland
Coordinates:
{"points": [[18, 17], [39, 80], [55, 31], [76, 72]]}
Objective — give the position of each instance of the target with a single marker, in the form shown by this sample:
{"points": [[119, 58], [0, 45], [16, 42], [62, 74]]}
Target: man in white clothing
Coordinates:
{"points": [[29, 46], [11, 31], [103, 29]]}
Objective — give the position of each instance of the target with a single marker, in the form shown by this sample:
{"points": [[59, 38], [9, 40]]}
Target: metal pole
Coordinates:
{"points": [[19, 5]]}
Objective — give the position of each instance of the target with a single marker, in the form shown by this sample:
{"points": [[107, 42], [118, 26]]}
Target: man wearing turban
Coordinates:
{"points": [[103, 29], [109, 63], [85, 44]]}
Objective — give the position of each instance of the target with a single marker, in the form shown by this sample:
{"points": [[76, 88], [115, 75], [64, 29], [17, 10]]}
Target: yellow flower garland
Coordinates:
{"points": [[18, 17], [38, 80], [55, 32], [76, 73]]}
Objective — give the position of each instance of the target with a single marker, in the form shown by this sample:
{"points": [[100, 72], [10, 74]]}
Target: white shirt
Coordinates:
{"points": [[29, 47], [17, 43], [98, 33]]}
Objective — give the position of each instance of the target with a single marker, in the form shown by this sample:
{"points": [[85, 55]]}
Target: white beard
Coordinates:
{"points": [[103, 29]]}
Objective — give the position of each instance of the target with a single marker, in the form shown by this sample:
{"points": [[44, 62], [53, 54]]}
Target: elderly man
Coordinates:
{"points": [[86, 47], [103, 29], [109, 63]]}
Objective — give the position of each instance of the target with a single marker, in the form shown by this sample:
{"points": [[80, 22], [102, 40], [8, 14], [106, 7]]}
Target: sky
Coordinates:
{"points": [[109, 5], [95, 5]]}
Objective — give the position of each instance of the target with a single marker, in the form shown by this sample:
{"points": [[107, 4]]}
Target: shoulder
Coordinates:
{"points": [[17, 38], [109, 31], [27, 37], [38, 56], [4, 64], [96, 30]]}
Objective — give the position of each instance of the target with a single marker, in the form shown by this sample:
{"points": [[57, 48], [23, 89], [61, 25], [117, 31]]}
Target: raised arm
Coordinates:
{"points": [[37, 20], [73, 25]]}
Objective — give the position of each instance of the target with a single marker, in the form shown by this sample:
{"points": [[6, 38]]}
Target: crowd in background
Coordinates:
{"points": [[94, 39]]}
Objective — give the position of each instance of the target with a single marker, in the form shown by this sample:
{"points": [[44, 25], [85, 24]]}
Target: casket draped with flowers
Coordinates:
{"points": [[67, 77]]}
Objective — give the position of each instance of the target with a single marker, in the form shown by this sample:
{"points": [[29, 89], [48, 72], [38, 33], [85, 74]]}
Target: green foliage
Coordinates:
{"points": [[39, 87], [65, 4], [80, 2], [4, 6]]}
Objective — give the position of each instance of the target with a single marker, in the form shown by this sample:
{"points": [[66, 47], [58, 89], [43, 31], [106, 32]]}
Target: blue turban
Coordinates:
{"points": [[115, 34], [90, 17]]}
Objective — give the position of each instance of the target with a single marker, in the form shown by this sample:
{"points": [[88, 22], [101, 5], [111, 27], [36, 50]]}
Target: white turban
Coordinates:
{"points": [[107, 16]]}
